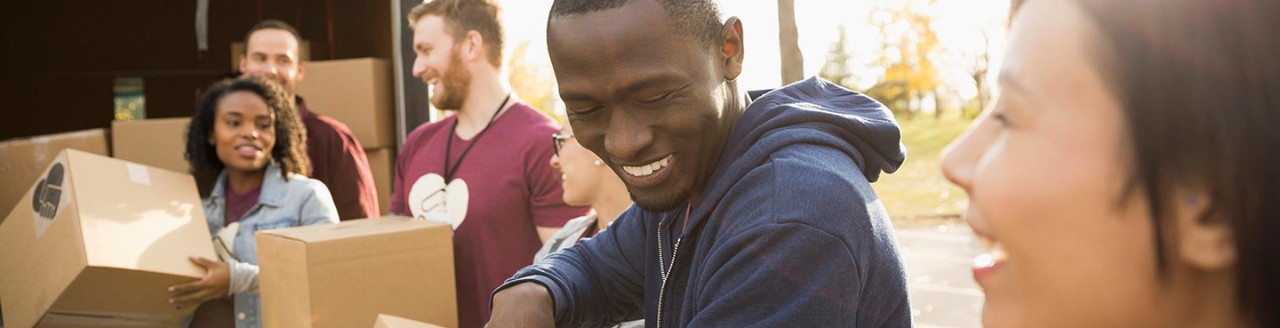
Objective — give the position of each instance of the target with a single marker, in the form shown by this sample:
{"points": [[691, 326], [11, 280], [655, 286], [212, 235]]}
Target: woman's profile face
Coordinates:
{"points": [[1045, 171], [580, 170]]}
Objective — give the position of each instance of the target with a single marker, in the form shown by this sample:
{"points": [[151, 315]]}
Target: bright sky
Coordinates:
{"points": [[958, 27]]}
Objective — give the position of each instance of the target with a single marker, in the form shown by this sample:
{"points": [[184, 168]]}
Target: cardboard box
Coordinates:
{"points": [[97, 241], [390, 321], [159, 143], [237, 51], [22, 160], [382, 163], [344, 275], [356, 92]]}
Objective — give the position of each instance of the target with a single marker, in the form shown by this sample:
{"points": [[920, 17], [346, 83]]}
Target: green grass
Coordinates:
{"points": [[918, 191]]}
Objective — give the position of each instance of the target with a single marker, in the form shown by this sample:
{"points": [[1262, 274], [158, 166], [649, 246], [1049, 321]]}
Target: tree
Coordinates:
{"points": [[981, 64], [908, 55], [837, 67], [534, 84], [789, 45]]}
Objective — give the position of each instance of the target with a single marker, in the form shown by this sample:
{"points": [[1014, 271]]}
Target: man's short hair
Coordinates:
{"points": [[697, 18], [273, 24], [462, 16]]}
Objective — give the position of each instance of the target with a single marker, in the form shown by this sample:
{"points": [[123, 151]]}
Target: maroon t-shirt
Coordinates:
{"points": [[239, 204], [511, 190], [338, 160]]}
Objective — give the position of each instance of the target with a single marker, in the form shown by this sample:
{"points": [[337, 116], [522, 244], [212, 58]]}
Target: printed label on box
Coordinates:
{"points": [[138, 174], [48, 197]]}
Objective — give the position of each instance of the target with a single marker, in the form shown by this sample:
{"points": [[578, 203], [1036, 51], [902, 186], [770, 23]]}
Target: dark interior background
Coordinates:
{"points": [[60, 58]]}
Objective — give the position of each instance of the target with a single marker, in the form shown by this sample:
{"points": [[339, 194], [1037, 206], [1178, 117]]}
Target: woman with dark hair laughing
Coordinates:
{"points": [[1127, 175]]}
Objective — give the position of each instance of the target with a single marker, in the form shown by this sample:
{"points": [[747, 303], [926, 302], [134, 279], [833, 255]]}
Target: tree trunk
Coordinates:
{"points": [[937, 103], [789, 45]]}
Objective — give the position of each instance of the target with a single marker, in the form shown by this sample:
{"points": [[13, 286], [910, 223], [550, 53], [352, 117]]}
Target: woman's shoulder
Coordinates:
{"points": [[302, 182], [301, 186]]}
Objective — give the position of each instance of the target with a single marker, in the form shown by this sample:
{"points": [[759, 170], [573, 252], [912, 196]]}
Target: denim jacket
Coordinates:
{"points": [[297, 202]]}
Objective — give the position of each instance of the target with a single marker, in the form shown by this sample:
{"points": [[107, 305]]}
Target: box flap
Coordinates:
{"points": [[390, 321], [351, 229]]}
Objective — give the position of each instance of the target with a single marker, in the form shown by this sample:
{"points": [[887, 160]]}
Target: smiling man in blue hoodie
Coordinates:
{"points": [[749, 212]]}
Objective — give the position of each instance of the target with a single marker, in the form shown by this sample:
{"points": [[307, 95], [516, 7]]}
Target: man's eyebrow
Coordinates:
{"points": [[651, 81], [644, 83]]}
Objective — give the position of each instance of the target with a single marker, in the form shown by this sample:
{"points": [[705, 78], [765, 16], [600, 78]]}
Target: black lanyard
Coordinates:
{"points": [[448, 145]]}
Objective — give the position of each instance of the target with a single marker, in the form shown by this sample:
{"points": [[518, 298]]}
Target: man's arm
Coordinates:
{"points": [[523, 305], [341, 163], [596, 282]]}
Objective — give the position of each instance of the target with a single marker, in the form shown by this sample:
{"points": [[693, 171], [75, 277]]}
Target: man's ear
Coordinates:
{"points": [[1204, 238], [473, 46], [302, 70], [731, 48], [244, 61]]}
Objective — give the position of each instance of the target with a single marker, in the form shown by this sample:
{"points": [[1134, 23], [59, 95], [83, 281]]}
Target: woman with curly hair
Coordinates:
{"points": [[246, 131]]}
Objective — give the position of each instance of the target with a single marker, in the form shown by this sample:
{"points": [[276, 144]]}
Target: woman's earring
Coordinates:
{"points": [[597, 162]]}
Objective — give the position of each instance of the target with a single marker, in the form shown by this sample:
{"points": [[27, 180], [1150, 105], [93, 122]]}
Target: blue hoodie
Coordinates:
{"points": [[789, 232]]}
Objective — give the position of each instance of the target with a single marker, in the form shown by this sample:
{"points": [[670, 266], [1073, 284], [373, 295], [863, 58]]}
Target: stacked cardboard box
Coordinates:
{"points": [[160, 143], [22, 160], [344, 275], [357, 92], [97, 241], [382, 164]]}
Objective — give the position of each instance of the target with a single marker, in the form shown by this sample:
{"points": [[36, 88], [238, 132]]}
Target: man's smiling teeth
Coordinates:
{"points": [[646, 170]]}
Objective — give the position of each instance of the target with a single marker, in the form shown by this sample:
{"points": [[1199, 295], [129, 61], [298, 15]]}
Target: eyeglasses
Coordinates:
{"points": [[558, 140]]}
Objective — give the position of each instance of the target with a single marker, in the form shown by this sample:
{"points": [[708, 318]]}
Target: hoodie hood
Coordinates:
{"points": [[815, 112]]}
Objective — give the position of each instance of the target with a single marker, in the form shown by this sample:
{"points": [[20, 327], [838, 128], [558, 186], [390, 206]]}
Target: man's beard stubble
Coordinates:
{"points": [[456, 83]]}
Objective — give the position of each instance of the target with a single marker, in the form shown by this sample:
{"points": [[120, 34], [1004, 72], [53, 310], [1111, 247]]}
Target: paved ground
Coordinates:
{"points": [[939, 258]]}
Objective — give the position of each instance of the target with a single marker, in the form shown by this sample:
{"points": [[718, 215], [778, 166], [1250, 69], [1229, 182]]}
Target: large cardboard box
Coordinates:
{"points": [[344, 275], [391, 321], [22, 160], [356, 92], [97, 241], [159, 143], [382, 163]]}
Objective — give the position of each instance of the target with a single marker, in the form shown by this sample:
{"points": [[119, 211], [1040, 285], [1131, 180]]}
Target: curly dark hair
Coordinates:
{"points": [[290, 149]]}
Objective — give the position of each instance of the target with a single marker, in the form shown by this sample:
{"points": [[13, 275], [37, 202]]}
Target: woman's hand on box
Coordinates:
{"points": [[214, 284]]}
